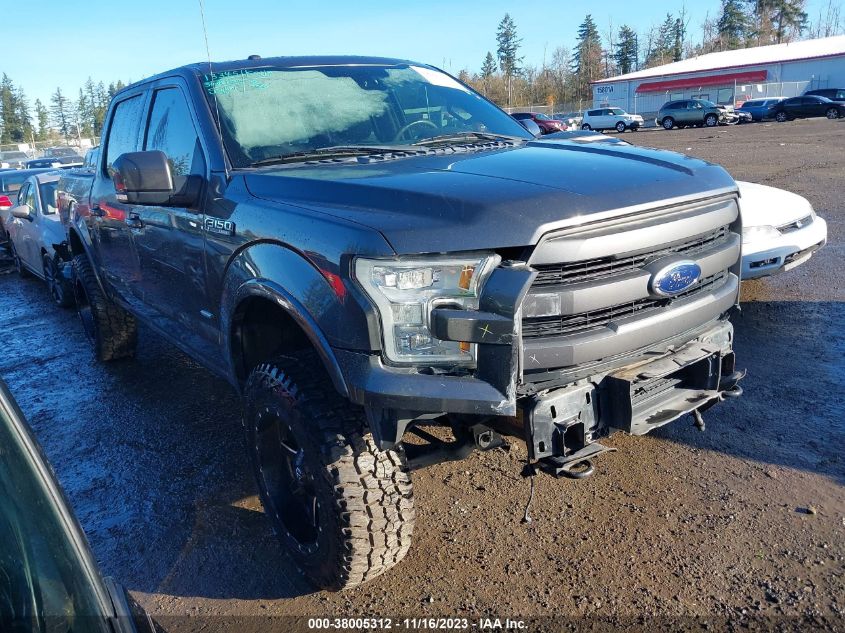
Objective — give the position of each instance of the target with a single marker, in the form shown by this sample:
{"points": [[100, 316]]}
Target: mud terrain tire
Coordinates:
{"points": [[111, 330], [343, 509]]}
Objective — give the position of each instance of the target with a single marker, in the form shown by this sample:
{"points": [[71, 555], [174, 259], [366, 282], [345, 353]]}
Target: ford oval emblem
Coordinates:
{"points": [[673, 278]]}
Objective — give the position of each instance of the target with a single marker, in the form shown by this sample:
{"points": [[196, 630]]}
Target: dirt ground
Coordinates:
{"points": [[744, 523]]}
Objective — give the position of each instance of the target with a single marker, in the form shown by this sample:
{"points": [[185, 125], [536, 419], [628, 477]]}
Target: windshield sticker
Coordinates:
{"points": [[438, 79], [236, 81]]}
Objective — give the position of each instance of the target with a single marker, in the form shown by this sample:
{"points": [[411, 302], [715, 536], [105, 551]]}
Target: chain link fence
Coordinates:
{"points": [[36, 149]]}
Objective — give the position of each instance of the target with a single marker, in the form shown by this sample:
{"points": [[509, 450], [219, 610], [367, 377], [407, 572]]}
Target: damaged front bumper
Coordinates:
{"points": [[561, 425], [651, 390]]}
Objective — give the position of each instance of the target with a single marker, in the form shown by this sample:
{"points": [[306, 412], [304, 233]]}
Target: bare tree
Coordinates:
{"points": [[829, 22]]}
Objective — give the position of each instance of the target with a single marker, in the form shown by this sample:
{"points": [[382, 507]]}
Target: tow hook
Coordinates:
{"points": [[578, 465], [728, 385]]}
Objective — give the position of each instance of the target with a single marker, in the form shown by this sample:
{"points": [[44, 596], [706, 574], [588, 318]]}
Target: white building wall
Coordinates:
{"points": [[785, 79]]}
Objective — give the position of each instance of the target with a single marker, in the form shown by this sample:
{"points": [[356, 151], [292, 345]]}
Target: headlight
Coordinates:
{"points": [[405, 290], [757, 233]]}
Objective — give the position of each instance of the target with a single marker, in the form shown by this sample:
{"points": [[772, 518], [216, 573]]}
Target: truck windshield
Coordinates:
{"points": [[267, 113]]}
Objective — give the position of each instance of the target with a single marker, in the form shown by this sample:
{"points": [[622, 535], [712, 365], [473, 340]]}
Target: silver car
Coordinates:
{"points": [[36, 235]]}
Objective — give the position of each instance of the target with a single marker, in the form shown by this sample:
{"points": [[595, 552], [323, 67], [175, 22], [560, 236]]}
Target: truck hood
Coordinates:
{"points": [[450, 201]]}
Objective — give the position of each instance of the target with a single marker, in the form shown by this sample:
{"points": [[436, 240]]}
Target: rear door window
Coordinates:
{"points": [[124, 130], [47, 194]]}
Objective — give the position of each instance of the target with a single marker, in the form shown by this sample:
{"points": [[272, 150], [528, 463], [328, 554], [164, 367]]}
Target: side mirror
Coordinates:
{"points": [[24, 212], [146, 178], [532, 127], [143, 178]]}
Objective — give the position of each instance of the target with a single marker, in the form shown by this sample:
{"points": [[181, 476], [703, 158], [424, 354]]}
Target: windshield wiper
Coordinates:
{"points": [[328, 152], [468, 136]]}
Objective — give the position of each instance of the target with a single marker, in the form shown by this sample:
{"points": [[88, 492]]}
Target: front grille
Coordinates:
{"points": [[592, 269], [538, 327], [797, 224]]}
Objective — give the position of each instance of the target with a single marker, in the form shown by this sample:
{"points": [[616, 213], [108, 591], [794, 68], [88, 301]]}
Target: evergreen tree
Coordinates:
{"points": [[679, 33], [85, 114], [778, 21], [625, 54], [23, 117], [97, 106], [62, 114], [488, 68], [42, 120], [733, 25], [9, 131], [662, 50], [586, 58], [507, 51]]}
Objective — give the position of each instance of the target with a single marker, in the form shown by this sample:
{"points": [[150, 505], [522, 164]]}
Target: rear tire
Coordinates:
{"points": [[343, 508], [586, 126], [668, 123], [832, 113], [60, 290], [620, 127], [111, 330]]}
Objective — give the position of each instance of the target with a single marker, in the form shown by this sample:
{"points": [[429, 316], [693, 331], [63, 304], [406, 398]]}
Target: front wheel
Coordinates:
{"points": [[586, 126], [711, 120], [832, 113], [343, 508], [112, 332], [668, 123], [781, 117], [60, 290], [620, 127]]}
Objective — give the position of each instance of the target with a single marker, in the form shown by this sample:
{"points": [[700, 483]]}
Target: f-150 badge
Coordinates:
{"points": [[221, 227]]}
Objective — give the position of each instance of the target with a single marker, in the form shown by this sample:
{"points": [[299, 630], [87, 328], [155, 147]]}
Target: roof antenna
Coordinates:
{"points": [[211, 73]]}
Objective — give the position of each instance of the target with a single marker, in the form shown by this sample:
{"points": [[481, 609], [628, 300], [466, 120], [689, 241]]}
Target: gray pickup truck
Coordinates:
{"points": [[367, 249]]}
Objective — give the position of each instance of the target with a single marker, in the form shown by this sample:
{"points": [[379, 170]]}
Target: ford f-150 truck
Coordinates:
{"points": [[366, 249]]}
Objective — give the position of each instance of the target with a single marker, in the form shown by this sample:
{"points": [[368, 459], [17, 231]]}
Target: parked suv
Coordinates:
{"points": [[690, 112], [410, 258], [611, 119]]}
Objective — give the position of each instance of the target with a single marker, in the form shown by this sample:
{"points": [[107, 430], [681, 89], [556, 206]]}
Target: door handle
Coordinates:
{"points": [[134, 221]]}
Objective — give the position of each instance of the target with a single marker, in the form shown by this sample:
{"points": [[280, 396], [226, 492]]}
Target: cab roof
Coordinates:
{"points": [[198, 69]]}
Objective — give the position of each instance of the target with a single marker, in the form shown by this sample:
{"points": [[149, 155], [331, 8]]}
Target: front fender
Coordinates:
{"points": [[328, 314]]}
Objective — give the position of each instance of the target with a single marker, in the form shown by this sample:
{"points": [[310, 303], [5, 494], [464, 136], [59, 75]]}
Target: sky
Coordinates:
{"points": [[71, 40]]}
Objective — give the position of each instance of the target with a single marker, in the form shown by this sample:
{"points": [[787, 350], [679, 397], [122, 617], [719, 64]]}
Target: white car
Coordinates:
{"points": [[611, 119], [780, 230]]}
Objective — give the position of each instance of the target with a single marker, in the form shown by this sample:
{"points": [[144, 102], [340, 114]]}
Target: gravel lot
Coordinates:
{"points": [[746, 520]]}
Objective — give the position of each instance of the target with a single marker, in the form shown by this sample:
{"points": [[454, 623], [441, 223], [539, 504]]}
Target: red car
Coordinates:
{"points": [[546, 123]]}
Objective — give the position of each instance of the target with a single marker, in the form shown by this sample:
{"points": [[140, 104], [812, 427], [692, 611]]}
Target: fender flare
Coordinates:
{"points": [[81, 232], [237, 290]]}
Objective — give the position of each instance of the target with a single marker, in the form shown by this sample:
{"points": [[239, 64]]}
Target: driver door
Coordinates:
{"points": [[170, 240]]}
